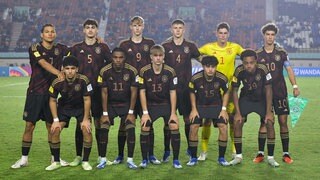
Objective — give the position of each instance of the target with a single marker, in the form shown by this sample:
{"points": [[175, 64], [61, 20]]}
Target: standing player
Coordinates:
{"points": [[45, 60], [179, 53], [158, 98], [255, 96], [207, 102], [137, 48], [119, 85], [275, 58], [75, 102], [226, 53], [92, 56]]}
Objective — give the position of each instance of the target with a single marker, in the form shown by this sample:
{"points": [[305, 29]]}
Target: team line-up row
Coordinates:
{"points": [[141, 78]]}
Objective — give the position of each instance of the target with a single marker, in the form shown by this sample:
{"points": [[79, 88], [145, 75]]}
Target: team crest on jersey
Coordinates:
{"points": [[186, 49], [56, 51], [164, 78], [97, 50], [126, 77], [277, 57], [146, 47], [229, 50], [258, 77], [216, 85], [77, 87]]}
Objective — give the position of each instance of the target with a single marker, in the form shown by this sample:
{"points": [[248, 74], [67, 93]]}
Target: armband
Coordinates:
{"points": [[105, 113]]}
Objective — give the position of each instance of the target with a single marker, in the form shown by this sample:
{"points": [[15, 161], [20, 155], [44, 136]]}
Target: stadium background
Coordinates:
{"points": [[298, 20]]}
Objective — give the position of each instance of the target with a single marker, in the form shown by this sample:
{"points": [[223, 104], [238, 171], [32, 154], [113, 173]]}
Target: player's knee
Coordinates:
{"points": [[129, 124], [173, 125]]}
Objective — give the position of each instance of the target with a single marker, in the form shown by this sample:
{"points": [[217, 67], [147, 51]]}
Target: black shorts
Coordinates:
{"points": [[247, 106], [96, 103], [157, 111], [114, 111], [37, 107], [281, 106], [66, 114], [183, 101], [211, 113]]}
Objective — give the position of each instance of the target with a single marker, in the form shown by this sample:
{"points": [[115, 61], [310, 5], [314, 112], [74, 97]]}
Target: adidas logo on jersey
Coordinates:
{"points": [[170, 51]]}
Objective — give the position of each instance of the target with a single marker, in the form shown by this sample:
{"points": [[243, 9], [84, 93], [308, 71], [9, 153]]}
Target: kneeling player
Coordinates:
{"points": [[207, 102], [75, 102], [255, 96]]}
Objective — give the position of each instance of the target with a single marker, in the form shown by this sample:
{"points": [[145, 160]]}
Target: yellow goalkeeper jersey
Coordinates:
{"points": [[226, 56]]}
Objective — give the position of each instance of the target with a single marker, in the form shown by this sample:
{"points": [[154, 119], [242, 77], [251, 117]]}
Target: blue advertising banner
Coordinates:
{"points": [[307, 72]]}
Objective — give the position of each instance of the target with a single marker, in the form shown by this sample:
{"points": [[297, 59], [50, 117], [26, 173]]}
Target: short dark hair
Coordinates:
{"points": [[223, 25], [248, 53], [70, 61], [209, 60], [177, 21], [269, 27], [90, 22], [46, 25], [119, 49]]}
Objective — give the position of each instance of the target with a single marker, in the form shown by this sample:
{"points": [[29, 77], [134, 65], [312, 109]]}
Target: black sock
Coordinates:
{"points": [[25, 148], [285, 141], [151, 142], [262, 137], [144, 143], [86, 150], [270, 146], [55, 148], [121, 142], [166, 136], [175, 143], [103, 143], [238, 144], [187, 131], [222, 147], [193, 148], [79, 140], [131, 137]]}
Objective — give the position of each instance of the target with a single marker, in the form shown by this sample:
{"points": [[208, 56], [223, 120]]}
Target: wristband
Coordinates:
{"points": [[56, 119], [295, 86], [105, 113], [130, 111], [223, 108], [145, 112]]}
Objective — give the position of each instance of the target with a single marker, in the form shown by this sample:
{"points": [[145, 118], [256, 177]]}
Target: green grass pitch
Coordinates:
{"points": [[304, 146]]}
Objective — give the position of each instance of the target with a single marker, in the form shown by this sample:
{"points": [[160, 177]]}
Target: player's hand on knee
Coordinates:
{"points": [[85, 124], [194, 114], [54, 126], [144, 119], [223, 114], [269, 117]]}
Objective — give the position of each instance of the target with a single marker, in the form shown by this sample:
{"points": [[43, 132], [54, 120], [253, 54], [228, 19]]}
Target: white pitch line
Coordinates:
{"points": [[13, 96], [14, 84]]}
